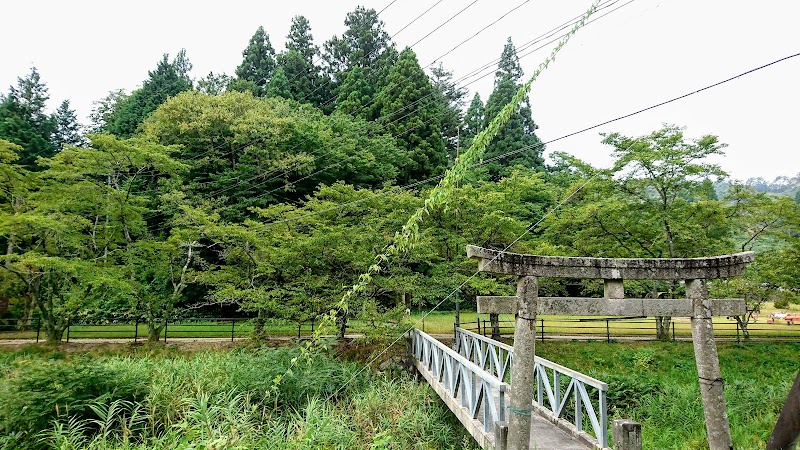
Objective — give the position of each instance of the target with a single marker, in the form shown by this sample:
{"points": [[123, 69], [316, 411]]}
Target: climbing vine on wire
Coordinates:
{"points": [[405, 240]]}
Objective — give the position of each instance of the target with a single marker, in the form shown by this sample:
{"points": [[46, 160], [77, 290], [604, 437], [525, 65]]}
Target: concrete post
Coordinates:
{"points": [[705, 353], [627, 435], [613, 288], [522, 372], [500, 435], [786, 433]]}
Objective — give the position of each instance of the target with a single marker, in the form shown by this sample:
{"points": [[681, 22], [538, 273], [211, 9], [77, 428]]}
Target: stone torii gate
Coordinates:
{"points": [[527, 304]]}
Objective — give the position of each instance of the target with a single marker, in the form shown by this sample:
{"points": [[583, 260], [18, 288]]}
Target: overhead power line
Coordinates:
{"points": [[268, 176], [542, 144], [549, 213]]}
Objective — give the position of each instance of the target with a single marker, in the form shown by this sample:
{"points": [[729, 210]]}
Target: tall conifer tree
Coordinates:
{"points": [[68, 130], [24, 121], [451, 97], [258, 63], [365, 45], [409, 110], [474, 120], [305, 79], [520, 132], [167, 80]]}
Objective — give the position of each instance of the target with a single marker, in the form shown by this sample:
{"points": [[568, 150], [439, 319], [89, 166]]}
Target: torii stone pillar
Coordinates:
{"points": [[524, 306], [697, 305]]}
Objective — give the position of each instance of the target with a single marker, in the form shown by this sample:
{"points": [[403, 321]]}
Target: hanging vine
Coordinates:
{"points": [[405, 240]]}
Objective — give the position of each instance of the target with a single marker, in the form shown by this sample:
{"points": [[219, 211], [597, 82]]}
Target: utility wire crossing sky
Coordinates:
{"points": [[645, 52]]}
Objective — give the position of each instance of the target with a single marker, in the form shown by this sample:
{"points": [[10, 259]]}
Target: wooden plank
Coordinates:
{"points": [[723, 266]]}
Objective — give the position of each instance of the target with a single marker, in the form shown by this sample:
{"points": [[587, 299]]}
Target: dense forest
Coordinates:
{"points": [[267, 192]]}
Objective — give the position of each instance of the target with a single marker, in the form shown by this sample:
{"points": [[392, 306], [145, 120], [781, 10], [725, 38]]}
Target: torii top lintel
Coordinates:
{"points": [[723, 266]]}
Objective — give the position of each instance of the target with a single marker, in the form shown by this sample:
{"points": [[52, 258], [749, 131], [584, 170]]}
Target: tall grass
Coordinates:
{"points": [[213, 400], [656, 384]]}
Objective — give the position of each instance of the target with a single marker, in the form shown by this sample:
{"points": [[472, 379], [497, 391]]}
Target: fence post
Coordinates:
{"points": [[423, 323], [233, 328], [136, 331], [608, 332], [166, 324], [68, 325], [673, 331], [38, 328], [299, 324], [542, 329], [458, 312], [312, 326], [737, 332]]}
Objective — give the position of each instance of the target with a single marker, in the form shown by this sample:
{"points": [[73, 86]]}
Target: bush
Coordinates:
{"points": [[40, 390]]}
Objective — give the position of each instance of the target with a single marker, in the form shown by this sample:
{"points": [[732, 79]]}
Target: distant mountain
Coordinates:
{"points": [[789, 186]]}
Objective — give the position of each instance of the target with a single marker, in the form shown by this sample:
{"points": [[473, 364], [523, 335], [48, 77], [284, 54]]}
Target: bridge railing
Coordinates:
{"points": [[496, 358], [483, 395], [490, 355]]}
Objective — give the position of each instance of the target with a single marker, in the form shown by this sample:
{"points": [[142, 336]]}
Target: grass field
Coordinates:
{"points": [[656, 384], [221, 398], [438, 322], [441, 322], [157, 397]]}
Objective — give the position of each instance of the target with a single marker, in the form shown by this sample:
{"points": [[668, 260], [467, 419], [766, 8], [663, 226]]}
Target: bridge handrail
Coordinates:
{"points": [[464, 380], [545, 362], [488, 352]]}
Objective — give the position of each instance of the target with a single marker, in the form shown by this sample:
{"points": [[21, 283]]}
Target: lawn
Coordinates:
{"points": [[51, 398], [441, 322]]}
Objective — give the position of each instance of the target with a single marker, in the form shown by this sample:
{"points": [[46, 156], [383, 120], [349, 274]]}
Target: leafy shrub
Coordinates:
{"points": [[628, 392], [40, 390]]}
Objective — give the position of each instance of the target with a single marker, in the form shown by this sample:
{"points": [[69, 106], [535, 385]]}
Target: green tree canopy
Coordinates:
{"points": [[258, 62], [249, 152], [24, 120], [409, 109], [167, 80], [518, 137]]}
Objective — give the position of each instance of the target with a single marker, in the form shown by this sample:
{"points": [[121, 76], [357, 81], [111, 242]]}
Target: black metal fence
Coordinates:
{"points": [[136, 329], [641, 328]]}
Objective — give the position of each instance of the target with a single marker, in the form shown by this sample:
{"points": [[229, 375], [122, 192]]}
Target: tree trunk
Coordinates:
{"points": [[53, 332], [494, 319], [258, 326], [341, 322], [154, 331], [663, 328], [743, 321]]}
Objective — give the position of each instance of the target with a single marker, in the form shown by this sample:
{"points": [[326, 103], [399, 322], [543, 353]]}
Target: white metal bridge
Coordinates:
{"points": [[473, 379]]}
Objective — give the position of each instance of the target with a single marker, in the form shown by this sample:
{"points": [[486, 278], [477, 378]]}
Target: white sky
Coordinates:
{"points": [[644, 53]]}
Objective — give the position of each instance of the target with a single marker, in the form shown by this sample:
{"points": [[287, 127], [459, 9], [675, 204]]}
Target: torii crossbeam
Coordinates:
{"points": [[527, 304]]}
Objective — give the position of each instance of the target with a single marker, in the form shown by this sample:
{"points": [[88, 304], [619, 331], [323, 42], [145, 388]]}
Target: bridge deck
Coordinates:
{"points": [[545, 435]]}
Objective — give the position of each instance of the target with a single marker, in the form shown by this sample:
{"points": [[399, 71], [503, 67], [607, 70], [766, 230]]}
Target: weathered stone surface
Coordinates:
{"points": [[610, 268], [493, 304], [604, 307], [613, 289], [627, 435], [522, 372], [708, 372]]}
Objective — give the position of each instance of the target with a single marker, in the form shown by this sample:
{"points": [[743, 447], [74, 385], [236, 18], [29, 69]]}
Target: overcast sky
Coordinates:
{"points": [[643, 53]]}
